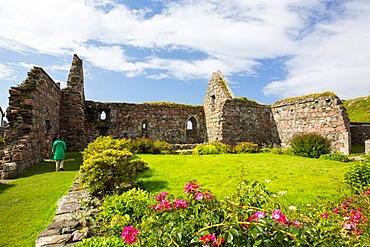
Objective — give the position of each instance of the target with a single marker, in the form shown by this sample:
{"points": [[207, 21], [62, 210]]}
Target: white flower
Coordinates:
{"points": [[293, 208], [267, 181], [282, 192]]}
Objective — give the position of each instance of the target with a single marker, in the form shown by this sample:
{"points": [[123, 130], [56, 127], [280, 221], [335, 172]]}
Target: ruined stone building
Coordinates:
{"points": [[39, 107]]}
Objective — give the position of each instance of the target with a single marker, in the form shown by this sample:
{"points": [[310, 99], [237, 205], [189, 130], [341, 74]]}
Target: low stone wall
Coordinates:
{"points": [[71, 222], [360, 132]]}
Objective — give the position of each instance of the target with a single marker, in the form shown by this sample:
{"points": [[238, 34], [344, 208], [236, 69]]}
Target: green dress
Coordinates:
{"points": [[59, 149]]}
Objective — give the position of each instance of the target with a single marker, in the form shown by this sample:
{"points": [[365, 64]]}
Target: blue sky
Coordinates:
{"points": [[159, 50]]}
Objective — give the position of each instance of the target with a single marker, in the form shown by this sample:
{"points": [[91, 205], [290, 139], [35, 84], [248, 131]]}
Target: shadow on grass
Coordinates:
{"points": [[72, 163], [4, 186], [150, 185], [153, 185]]}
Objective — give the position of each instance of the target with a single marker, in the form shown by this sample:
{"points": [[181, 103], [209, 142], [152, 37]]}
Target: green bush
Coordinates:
{"points": [[118, 211], [103, 143], [212, 148], [357, 176], [148, 146], [310, 145], [246, 147], [1, 139], [110, 171], [335, 156]]}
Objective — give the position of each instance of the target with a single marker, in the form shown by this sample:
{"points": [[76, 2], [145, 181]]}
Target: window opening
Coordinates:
{"points": [[103, 115], [189, 125]]}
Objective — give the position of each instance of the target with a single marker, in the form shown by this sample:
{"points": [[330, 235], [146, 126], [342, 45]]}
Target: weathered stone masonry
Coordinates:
{"points": [[38, 108], [157, 121]]}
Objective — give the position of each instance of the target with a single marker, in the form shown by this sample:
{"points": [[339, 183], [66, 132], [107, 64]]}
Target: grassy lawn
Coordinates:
{"points": [[303, 179], [28, 203]]}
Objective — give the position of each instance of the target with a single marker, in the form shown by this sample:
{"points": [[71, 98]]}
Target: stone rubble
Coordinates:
{"points": [[71, 221]]}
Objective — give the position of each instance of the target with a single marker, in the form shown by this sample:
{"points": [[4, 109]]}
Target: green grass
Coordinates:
{"points": [[358, 109], [303, 179], [28, 203]]}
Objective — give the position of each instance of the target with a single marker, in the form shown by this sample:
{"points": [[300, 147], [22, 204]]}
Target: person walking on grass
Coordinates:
{"points": [[59, 150]]}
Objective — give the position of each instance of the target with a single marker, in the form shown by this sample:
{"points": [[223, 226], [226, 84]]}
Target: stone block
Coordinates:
{"points": [[9, 175], [367, 146], [10, 167]]}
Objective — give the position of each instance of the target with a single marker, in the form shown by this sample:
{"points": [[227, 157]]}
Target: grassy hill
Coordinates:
{"points": [[358, 109]]}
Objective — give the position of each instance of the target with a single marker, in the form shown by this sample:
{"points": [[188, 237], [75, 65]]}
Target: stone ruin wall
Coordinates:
{"points": [[162, 121], [33, 117], [216, 95], [360, 132], [72, 111], [244, 120], [321, 113]]}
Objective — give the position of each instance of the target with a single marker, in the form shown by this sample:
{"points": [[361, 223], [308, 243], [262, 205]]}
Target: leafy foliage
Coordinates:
{"points": [[110, 170], [125, 209], [251, 216], [148, 146], [310, 145], [212, 148], [246, 147], [357, 176], [335, 156]]}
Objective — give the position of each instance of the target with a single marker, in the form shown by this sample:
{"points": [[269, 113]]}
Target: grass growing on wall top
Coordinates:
{"points": [[304, 97], [169, 104], [358, 109], [28, 203], [303, 179]]}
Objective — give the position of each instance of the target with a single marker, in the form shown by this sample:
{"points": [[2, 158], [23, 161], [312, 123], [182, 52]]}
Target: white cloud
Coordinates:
{"points": [[335, 57], [329, 48], [6, 73]]}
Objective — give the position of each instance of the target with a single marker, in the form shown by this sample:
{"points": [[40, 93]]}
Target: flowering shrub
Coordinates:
{"points": [[251, 216]]}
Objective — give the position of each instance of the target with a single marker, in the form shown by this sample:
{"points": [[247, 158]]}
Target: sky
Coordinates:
{"points": [[139, 51]]}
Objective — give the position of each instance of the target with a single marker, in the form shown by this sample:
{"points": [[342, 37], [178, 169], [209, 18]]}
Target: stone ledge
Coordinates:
{"points": [[70, 224]]}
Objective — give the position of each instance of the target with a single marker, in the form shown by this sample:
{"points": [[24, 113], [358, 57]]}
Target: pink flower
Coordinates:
{"points": [[348, 226], [129, 234], [161, 196], [296, 223], [336, 211], [344, 204], [164, 204], [208, 196], [180, 204], [357, 231], [191, 187], [199, 196], [278, 216], [259, 215], [324, 215]]}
